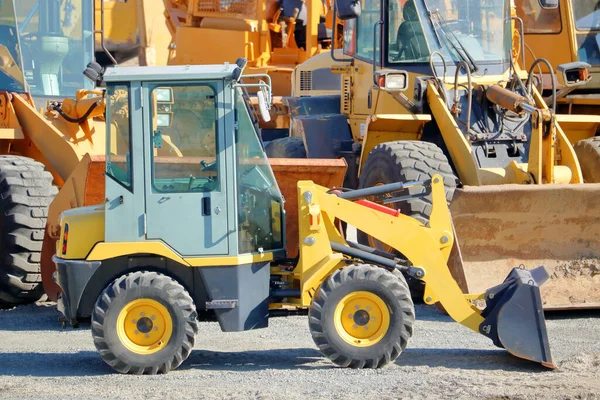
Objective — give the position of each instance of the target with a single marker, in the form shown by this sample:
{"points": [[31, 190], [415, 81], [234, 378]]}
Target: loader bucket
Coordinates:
{"points": [[505, 226], [288, 171], [514, 318]]}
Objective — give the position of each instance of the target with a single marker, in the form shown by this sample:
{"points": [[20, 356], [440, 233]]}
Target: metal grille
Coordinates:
{"points": [[346, 85], [305, 80], [245, 8]]}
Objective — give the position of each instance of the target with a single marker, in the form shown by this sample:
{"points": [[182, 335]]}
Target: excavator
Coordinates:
{"points": [[193, 229], [435, 87]]}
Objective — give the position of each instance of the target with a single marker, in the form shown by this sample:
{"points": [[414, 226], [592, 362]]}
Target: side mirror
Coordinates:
{"points": [[263, 105], [348, 9], [573, 74], [548, 4]]}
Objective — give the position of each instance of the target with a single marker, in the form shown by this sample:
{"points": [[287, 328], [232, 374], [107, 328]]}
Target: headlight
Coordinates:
{"points": [[395, 82]]}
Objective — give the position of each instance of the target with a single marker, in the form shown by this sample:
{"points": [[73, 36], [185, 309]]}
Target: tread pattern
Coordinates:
{"points": [[178, 297], [353, 273], [409, 160], [588, 154], [288, 147], [26, 191]]}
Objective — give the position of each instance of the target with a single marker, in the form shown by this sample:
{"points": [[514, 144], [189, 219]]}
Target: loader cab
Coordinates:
{"points": [[185, 165]]}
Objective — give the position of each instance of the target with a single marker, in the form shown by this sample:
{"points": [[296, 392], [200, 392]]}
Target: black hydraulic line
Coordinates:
{"points": [[366, 256], [553, 78], [79, 120], [371, 250], [383, 189]]}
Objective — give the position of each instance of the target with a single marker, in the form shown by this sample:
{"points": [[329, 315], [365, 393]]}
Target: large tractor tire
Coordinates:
{"points": [[144, 323], [362, 316], [288, 147], [26, 191], [588, 154]]}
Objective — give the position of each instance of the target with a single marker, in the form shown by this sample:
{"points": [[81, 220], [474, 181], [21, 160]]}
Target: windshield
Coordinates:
{"points": [[56, 43], [476, 31], [587, 14], [260, 212], [11, 71]]}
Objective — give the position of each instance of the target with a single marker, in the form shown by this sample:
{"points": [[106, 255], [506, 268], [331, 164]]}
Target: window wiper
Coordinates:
{"points": [[451, 38]]}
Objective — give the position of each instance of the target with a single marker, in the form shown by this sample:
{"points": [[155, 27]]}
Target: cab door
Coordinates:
{"points": [[186, 199]]}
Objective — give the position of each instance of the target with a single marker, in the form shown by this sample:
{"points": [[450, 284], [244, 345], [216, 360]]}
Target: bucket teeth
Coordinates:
{"points": [[514, 319]]}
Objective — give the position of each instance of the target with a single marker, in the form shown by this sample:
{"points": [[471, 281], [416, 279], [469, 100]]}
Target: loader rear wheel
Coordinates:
{"points": [[144, 323], [588, 154], [288, 147], [362, 316], [26, 191]]}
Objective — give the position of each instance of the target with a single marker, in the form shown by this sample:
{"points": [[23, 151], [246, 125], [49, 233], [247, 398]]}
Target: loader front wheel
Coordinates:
{"points": [[26, 191], [287, 147], [362, 316], [588, 154], [144, 323]]}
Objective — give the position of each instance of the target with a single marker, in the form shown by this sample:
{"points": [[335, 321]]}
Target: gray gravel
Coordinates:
{"points": [[39, 359]]}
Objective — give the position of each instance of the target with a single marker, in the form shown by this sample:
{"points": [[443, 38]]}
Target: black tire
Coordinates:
{"points": [[392, 290], [288, 147], [26, 191], [588, 154], [156, 287]]}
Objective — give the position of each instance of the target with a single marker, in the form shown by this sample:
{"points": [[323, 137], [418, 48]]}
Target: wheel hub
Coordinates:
{"points": [[144, 326], [362, 318]]}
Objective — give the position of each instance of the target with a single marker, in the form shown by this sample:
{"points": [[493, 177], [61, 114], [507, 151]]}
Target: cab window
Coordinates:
{"points": [[184, 155], [118, 159]]}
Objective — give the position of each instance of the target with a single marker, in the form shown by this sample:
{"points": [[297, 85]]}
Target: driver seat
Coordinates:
{"points": [[410, 39]]}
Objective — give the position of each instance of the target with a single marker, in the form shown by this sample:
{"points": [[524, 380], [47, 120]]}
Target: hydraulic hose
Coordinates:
{"points": [[529, 80], [469, 90], [79, 120]]}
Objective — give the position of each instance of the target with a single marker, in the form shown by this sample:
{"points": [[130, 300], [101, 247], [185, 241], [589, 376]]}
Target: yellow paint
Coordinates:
{"points": [[382, 128], [578, 127], [225, 261], [86, 228], [144, 326], [362, 318], [107, 250]]}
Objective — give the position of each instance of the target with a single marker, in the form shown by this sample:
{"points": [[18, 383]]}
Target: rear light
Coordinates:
{"points": [[65, 238]]}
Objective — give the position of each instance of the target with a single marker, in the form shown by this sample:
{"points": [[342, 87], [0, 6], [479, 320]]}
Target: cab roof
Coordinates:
{"points": [[172, 73]]}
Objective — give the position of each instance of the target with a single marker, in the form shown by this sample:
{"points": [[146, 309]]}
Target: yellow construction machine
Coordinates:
{"points": [[193, 228], [432, 87], [44, 46], [132, 28], [572, 30]]}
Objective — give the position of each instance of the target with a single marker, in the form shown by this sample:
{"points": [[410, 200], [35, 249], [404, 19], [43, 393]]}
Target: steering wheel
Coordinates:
{"points": [[212, 167]]}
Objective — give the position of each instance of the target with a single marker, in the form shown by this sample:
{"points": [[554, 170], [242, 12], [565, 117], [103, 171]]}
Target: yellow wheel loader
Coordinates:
{"points": [[431, 87], [44, 46], [193, 228], [572, 29]]}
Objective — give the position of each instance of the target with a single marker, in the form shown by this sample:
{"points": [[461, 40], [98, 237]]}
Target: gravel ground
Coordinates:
{"points": [[39, 359]]}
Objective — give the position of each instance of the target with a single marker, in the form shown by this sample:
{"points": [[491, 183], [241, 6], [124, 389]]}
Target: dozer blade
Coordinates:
{"points": [[288, 171], [505, 226], [514, 318]]}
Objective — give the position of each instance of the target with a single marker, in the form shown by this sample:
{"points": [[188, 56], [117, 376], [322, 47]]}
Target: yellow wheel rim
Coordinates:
{"points": [[144, 326], [362, 318]]}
